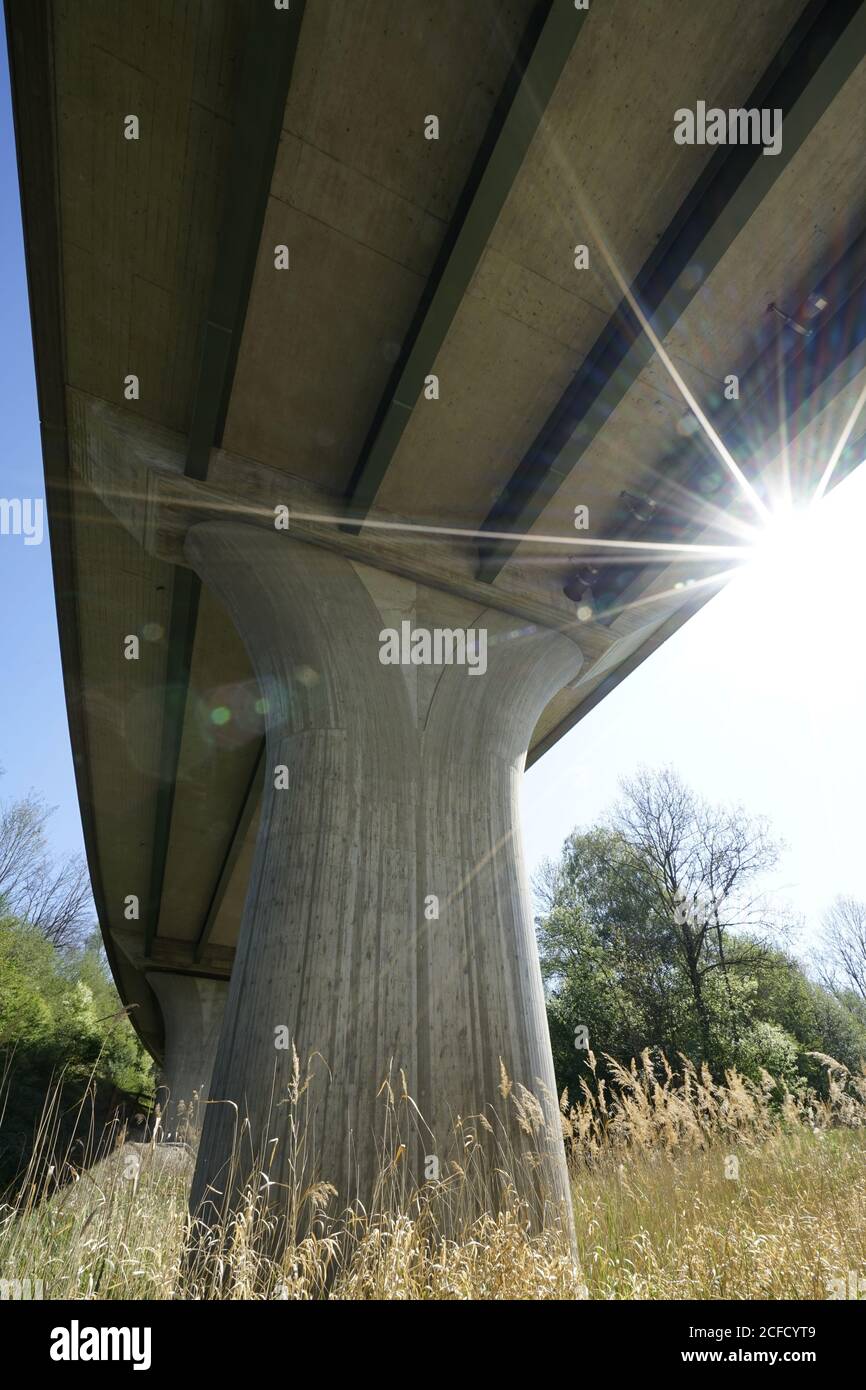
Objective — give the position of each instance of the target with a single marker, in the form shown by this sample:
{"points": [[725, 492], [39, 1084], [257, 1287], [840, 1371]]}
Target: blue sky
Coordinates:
{"points": [[34, 740], [758, 700]]}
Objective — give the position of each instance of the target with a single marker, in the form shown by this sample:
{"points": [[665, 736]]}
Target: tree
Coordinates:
{"points": [[606, 961], [63, 1034], [54, 898], [27, 993], [652, 934], [701, 863], [837, 1027], [842, 959]]}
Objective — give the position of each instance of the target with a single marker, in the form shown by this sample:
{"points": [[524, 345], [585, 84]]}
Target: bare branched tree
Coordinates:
{"points": [[54, 897], [842, 958], [703, 864]]}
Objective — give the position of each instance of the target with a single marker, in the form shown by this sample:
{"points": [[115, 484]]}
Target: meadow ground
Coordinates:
{"points": [[672, 1225], [683, 1189]]}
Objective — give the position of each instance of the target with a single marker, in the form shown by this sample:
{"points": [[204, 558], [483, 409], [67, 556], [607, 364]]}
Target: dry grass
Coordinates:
{"points": [[719, 1192], [657, 1214], [672, 1226]]}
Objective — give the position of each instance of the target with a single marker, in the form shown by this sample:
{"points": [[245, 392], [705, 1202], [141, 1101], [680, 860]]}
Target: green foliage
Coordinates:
{"points": [[60, 1015], [612, 963], [28, 995], [767, 1047]]}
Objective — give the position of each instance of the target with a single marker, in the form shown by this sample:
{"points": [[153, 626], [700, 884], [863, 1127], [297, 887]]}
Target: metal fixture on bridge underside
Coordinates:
{"points": [[598, 584], [800, 322], [641, 508], [597, 588]]}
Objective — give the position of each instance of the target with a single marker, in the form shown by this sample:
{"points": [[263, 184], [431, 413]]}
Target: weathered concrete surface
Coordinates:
{"points": [[402, 785], [192, 1010]]}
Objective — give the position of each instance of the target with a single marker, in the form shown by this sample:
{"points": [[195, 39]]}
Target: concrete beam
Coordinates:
{"points": [[181, 957], [387, 925], [137, 474], [546, 46], [269, 57], [268, 60], [819, 56]]}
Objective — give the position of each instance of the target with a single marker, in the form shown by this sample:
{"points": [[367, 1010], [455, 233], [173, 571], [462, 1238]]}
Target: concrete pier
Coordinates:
{"points": [[387, 926], [192, 1010]]}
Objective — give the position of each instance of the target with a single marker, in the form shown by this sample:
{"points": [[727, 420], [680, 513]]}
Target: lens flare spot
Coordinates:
{"points": [[305, 675]]}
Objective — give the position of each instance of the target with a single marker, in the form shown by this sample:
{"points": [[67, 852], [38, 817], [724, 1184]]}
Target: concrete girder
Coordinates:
{"points": [[269, 56], [822, 52], [192, 1010], [401, 787], [537, 69]]}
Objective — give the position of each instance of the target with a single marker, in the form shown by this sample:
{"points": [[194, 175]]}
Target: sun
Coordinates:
{"points": [[791, 533], [800, 595], [814, 546]]}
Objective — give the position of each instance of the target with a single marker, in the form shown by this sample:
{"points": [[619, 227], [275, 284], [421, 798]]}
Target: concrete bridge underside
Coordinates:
{"points": [[280, 296]]}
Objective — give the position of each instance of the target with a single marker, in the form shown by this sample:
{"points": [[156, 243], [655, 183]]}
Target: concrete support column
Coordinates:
{"points": [[387, 924], [192, 1011]]}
